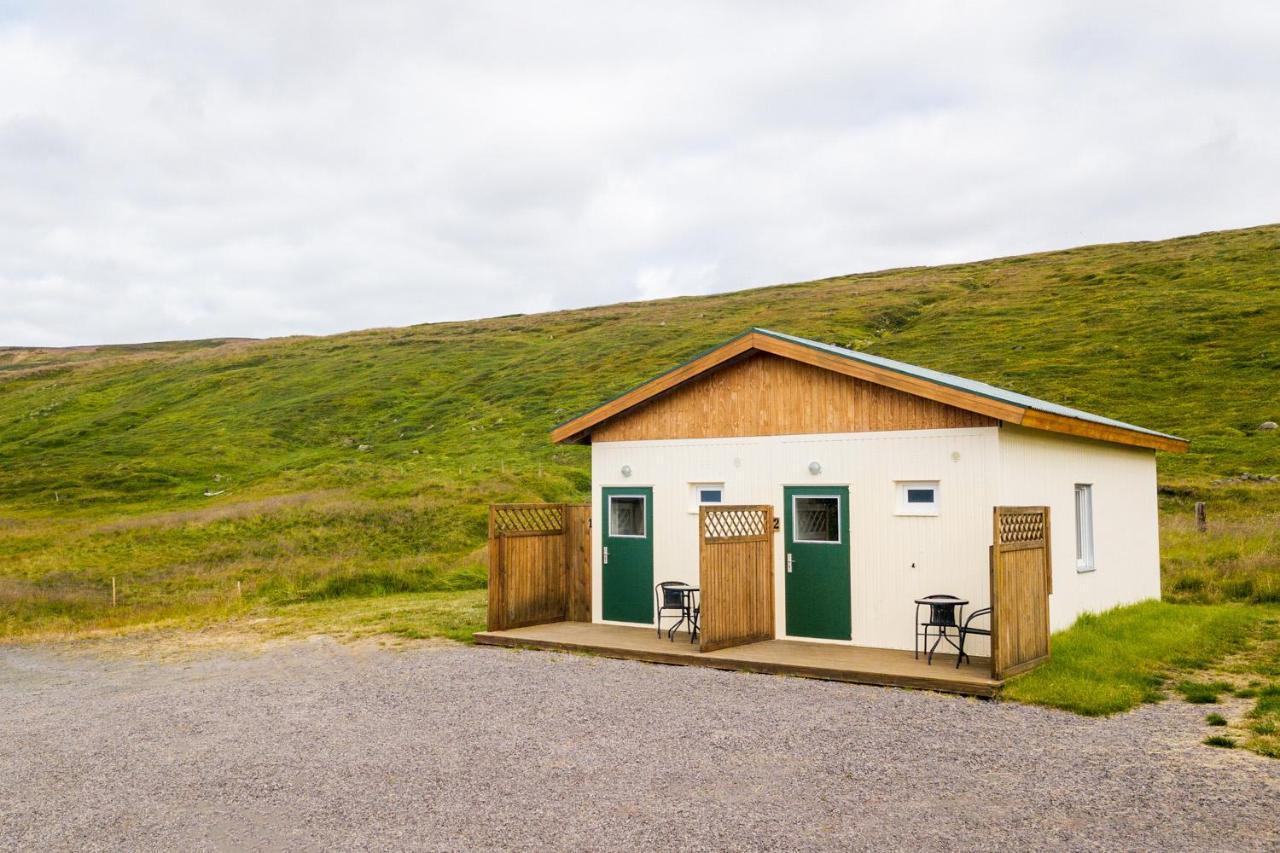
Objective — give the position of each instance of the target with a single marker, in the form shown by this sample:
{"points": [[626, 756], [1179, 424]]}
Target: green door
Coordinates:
{"points": [[626, 561], [817, 561]]}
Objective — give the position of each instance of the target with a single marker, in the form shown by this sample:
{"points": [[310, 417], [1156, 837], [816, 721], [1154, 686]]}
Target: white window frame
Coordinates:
{"points": [[695, 495], [644, 517], [905, 508], [795, 518], [1085, 557]]}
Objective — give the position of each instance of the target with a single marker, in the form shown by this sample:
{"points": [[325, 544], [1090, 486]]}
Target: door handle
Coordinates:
{"points": [[605, 562], [790, 563]]}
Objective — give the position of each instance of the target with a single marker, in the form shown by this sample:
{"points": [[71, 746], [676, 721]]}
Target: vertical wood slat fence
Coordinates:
{"points": [[539, 564], [735, 575], [578, 560], [1021, 581]]}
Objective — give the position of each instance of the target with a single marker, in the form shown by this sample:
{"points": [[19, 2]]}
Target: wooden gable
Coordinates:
{"points": [[764, 394], [767, 383]]}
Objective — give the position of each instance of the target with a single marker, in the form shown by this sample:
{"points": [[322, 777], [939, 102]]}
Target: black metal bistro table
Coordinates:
{"points": [[689, 612], [942, 615]]}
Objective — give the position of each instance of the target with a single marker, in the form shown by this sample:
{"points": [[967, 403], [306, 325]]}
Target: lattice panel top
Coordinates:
{"points": [[735, 522], [1021, 527], [515, 518]]}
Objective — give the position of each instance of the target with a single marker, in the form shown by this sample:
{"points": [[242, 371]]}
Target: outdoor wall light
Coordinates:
{"points": [[626, 470], [815, 468]]}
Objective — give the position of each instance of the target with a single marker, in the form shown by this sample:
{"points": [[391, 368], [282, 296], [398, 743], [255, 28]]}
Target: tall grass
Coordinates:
{"points": [[1236, 559], [1114, 661]]}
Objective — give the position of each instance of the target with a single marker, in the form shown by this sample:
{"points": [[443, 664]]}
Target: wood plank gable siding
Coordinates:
{"points": [[765, 394], [582, 428]]}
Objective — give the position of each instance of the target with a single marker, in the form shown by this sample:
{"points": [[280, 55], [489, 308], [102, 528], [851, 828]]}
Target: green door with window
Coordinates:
{"points": [[817, 561], [626, 559]]}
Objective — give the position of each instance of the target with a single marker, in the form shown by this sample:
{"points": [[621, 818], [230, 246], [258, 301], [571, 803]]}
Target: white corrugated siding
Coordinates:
{"points": [[1043, 468], [949, 551]]}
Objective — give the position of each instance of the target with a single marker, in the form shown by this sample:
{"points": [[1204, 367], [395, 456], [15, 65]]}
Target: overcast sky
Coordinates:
{"points": [[181, 170]]}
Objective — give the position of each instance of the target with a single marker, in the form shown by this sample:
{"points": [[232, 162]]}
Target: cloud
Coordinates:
{"points": [[196, 170]]}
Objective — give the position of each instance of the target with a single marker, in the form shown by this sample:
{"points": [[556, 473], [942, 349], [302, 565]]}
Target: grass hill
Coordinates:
{"points": [[312, 468]]}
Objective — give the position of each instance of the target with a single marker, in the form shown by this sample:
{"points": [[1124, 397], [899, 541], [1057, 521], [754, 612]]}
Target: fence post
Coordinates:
{"points": [[566, 580], [497, 608], [1202, 521], [113, 590]]}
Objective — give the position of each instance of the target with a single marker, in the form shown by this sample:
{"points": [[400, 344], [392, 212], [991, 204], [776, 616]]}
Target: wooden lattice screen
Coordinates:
{"points": [[736, 575], [539, 564], [527, 519], [1021, 581]]}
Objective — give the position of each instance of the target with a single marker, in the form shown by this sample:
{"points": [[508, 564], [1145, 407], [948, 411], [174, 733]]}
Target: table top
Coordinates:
{"points": [[684, 587], [934, 599]]}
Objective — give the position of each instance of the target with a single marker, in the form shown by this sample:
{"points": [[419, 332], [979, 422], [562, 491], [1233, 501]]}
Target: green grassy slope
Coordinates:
{"points": [[363, 461]]}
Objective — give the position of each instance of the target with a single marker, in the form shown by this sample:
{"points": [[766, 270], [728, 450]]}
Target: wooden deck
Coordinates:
{"points": [[856, 664]]}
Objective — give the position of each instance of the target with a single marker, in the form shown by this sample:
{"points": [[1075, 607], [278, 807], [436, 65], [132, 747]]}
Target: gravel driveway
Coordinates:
{"points": [[314, 745]]}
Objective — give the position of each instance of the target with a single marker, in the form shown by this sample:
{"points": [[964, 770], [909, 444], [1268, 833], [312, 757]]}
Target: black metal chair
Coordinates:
{"points": [[669, 595], [966, 629], [942, 616]]}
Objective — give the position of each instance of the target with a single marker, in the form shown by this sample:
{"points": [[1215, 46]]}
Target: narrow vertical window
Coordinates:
{"points": [[1084, 527]]}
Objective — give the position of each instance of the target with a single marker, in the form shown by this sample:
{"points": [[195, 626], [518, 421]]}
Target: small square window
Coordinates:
{"points": [[918, 498], [701, 494]]}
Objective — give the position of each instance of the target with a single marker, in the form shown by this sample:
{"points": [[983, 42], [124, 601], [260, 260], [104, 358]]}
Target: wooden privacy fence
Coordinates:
{"points": [[1021, 581], [736, 575], [539, 564]]}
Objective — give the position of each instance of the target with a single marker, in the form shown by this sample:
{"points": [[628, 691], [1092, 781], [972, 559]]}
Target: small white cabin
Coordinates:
{"points": [[883, 478]]}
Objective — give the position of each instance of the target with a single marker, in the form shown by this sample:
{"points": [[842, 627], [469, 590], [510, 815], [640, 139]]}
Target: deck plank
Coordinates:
{"points": [[855, 664]]}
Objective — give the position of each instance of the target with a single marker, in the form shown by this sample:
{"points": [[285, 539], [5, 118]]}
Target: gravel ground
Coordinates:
{"points": [[312, 745]]}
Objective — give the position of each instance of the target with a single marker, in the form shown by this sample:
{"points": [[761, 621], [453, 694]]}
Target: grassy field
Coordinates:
{"points": [[1112, 662], [209, 476], [1236, 559]]}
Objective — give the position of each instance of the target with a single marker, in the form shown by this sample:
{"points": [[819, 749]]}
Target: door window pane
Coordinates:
{"points": [[817, 519], [626, 516]]}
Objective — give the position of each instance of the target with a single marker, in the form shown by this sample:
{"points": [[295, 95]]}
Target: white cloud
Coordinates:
{"points": [[192, 170]]}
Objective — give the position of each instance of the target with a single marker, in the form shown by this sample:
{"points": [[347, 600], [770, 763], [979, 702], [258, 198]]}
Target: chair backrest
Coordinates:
{"points": [[942, 614], [942, 611], [671, 594]]}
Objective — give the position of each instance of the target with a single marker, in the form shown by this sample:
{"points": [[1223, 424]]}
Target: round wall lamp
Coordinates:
{"points": [[815, 468], [626, 470]]}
